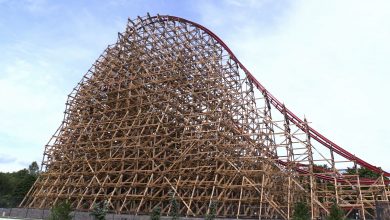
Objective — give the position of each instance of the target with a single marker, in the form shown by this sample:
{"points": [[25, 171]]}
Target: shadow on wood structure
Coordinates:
{"points": [[168, 110]]}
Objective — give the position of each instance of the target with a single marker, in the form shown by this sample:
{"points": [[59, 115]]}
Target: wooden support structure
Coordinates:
{"points": [[169, 108]]}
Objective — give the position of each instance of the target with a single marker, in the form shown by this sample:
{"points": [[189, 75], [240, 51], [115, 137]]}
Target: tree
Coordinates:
{"points": [[320, 168], [212, 211], [301, 211], [335, 213], [5, 189], [175, 209], [156, 213], [363, 172], [14, 186], [100, 210], [33, 168], [22, 186], [61, 211]]}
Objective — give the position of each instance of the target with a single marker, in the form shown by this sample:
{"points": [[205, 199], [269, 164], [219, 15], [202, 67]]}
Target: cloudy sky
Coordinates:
{"points": [[327, 60]]}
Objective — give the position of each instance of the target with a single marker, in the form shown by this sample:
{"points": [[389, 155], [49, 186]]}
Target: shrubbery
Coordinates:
{"points": [[335, 213], [301, 211], [212, 211], [15, 185], [156, 214], [175, 208], [61, 211], [99, 210]]}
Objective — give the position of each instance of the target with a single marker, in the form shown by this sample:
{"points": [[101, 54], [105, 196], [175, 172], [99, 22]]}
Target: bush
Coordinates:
{"points": [[335, 213], [14, 186], [175, 208], [301, 211], [61, 211], [212, 211], [100, 210], [156, 213]]}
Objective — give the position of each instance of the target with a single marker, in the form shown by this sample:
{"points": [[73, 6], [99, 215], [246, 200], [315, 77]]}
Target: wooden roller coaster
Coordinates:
{"points": [[168, 110]]}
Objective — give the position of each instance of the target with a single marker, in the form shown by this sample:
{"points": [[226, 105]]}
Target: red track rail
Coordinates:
{"points": [[277, 104]]}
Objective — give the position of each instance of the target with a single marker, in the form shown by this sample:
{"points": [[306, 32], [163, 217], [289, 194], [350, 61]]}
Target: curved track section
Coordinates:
{"points": [[279, 105], [168, 112]]}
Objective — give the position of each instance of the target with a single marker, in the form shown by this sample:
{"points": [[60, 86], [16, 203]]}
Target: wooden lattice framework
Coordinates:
{"points": [[169, 111]]}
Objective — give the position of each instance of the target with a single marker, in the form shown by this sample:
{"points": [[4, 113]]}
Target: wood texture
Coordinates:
{"points": [[166, 110]]}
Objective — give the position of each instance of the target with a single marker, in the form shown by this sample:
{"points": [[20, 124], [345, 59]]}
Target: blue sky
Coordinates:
{"points": [[328, 60]]}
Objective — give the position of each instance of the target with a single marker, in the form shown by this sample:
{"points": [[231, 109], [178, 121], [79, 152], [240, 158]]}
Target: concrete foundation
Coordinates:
{"points": [[77, 215]]}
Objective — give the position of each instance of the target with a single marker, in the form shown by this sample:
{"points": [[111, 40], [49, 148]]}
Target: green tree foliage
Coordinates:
{"points": [[212, 211], [175, 208], [301, 211], [100, 210], [320, 168], [156, 213], [61, 211], [5, 188], [33, 169], [14, 186], [363, 172], [335, 213]]}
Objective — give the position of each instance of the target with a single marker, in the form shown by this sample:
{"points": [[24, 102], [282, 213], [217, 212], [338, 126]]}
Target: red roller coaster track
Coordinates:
{"points": [[279, 106], [168, 111]]}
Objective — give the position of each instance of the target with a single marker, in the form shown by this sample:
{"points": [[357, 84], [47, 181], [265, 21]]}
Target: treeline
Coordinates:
{"points": [[14, 186], [361, 171]]}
